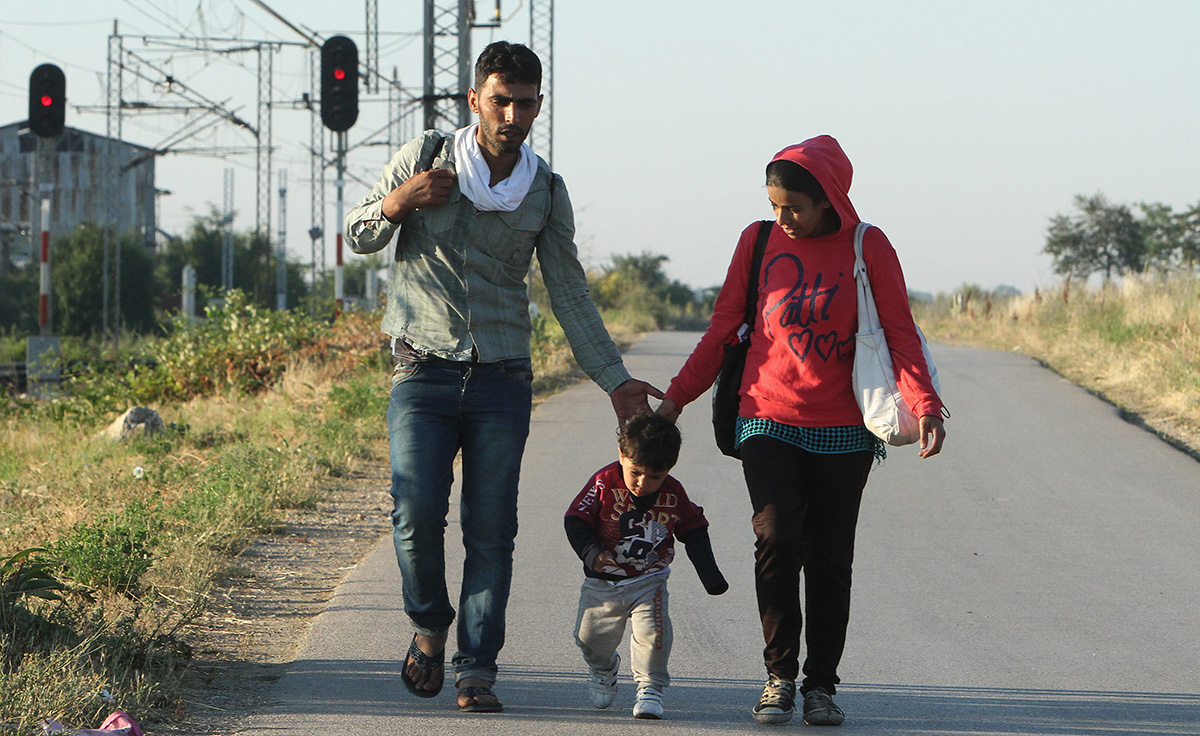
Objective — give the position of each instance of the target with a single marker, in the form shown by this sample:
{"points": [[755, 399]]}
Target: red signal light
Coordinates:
{"points": [[339, 83], [47, 98]]}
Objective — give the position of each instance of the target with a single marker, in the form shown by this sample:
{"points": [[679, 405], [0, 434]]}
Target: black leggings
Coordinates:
{"points": [[805, 514]]}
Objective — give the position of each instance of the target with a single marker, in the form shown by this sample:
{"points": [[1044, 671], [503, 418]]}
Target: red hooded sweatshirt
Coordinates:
{"points": [[802, 349]]}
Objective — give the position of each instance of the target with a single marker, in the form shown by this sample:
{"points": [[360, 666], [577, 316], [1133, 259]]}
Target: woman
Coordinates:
{"points": [[805, 452]]}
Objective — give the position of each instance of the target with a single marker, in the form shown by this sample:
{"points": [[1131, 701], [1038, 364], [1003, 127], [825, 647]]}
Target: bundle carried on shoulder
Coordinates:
{"points": [[885, 411]]}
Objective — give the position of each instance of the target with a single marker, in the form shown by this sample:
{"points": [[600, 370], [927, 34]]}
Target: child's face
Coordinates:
{"points": [[639, 480], [799, 216]]}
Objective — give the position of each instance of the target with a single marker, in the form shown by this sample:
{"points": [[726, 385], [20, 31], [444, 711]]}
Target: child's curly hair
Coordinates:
{"points": [[650, 440]]}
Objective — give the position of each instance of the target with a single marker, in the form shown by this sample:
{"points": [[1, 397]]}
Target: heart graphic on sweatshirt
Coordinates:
{"points": [[801, 343], [844, 348], [826, 344]]}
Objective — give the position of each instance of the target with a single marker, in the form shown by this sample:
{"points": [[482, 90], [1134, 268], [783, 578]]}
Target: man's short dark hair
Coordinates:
{"points": [[515, 63], [793, 177], [650, 440]]}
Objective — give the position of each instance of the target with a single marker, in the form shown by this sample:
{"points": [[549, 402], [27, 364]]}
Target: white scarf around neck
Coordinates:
{"points": [[474, 174]]}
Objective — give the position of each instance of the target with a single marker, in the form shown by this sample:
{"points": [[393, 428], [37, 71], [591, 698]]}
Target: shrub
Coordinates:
{"points": [[111, 553]]}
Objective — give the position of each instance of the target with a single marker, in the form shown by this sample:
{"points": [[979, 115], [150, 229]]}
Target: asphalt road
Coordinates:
{"points": [[1041, 576]]}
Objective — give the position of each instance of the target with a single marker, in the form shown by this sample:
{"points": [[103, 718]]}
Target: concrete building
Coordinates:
{"points": [[76, 162]]}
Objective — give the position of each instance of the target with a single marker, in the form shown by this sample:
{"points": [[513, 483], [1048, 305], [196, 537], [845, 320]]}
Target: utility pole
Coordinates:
{"points": [[227, 234], [281, 246], [47, 189], [47, 109], [339, 111], [112, 179], [317, 173], [395, 116]]}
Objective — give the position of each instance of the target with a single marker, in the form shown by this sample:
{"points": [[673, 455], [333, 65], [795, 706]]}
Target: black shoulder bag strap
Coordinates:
{"points": [[726, 387], [425, 160], [760, 246], [429, 153]]}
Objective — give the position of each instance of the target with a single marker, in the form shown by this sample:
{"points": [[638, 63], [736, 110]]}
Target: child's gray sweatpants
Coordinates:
{"points": [[604, 607]]}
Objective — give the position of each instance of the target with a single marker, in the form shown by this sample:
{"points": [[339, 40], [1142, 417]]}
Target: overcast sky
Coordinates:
{"points": [[969, 124]]}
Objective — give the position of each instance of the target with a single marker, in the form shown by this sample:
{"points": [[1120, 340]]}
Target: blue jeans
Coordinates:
{"points": [[437, 408]]}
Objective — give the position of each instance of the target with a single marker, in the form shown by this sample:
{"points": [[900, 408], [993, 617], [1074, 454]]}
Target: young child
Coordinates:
{"points": [[623, 526]]}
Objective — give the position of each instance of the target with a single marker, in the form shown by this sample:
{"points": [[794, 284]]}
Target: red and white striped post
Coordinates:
{"points": [[339, 283], [44, 293]]}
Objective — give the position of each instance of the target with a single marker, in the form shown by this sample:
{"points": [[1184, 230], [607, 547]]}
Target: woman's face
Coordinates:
{"points": [[799, 216]]}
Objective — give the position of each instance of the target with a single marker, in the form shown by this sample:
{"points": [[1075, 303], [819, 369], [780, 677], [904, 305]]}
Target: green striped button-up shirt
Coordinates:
{"points": [[457, 287]]}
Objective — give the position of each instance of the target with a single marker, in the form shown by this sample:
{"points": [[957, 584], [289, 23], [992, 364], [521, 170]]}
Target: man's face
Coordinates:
{"points": [[506, 112]]}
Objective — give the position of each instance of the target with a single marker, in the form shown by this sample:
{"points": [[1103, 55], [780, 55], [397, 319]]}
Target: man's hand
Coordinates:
{"points": [[425, 189], [933, 434], [630, 397]]}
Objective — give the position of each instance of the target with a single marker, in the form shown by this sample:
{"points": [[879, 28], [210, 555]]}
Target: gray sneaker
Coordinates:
{"points": [[820, 710], [777, 702], [603, 685]]}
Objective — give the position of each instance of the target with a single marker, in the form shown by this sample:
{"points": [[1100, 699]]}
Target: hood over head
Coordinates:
{"points": [[824, 158]]}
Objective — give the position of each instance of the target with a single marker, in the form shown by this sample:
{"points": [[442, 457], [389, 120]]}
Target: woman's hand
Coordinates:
{"points": [[933, 434], [668, 409]]}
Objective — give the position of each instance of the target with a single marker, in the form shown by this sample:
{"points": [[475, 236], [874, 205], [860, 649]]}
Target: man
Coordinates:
{"points": [[471, 210]]}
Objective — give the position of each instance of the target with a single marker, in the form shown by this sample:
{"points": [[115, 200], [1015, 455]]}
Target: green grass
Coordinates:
{"points": [[136, 533]]}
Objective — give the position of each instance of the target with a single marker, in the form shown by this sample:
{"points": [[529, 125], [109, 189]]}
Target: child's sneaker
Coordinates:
{"points": [[648, 704], [603, 685], [777, 702]]}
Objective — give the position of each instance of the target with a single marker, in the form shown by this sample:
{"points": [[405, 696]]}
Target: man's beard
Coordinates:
{"points": [[504, 144]]}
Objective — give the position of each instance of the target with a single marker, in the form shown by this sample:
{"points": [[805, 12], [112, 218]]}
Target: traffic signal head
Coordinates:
{"points": [[47, 100], [339, 83]]}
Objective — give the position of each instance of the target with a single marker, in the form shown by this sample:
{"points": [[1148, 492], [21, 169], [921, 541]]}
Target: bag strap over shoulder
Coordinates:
{"points": [[430, 148], [760, 247], [868, 315]]}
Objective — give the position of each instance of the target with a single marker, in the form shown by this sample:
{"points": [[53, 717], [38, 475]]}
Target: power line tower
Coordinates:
{"points": [[449, 64], [541, 41], [371, 78], [447, 38], [316, 173], [262, 164]]}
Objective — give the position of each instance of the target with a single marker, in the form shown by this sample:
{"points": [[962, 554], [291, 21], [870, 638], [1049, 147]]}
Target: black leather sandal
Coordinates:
{"points": [[478, 699], [428, 664]]}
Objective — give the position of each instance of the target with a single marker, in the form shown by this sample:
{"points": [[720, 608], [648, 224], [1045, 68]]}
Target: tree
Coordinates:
{"points": [[1189, 240], [19, 300], [76, 269], [1102, 238], [1164, 231], [201, 248]]}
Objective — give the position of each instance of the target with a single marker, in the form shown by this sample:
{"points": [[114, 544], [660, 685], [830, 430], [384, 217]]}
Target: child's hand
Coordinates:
{"points": [[715, 584], [603, 560]]}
